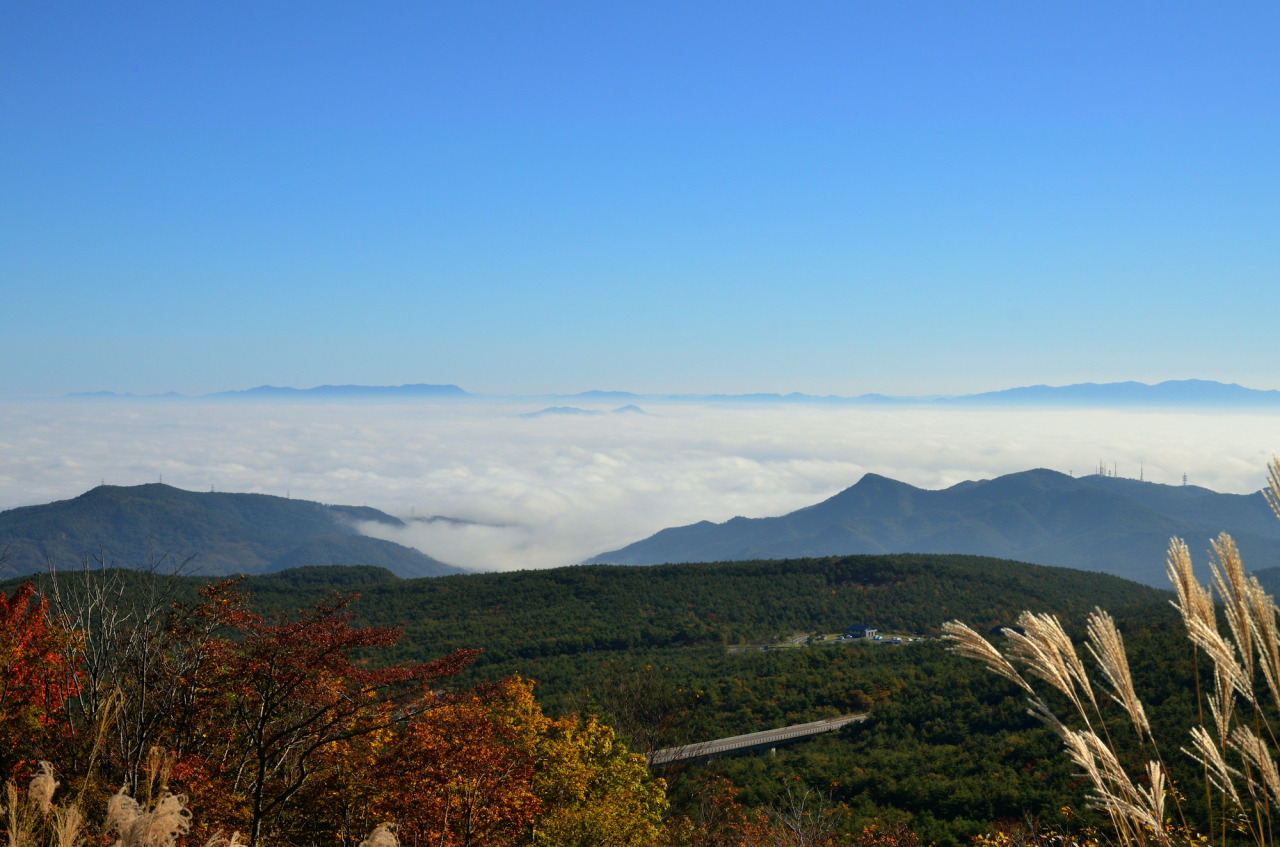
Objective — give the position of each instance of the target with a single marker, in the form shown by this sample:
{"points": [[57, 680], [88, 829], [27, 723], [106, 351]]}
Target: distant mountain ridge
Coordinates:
{"points": [[1171, 393], [1097, 523], [227, 533], [319, 392]]}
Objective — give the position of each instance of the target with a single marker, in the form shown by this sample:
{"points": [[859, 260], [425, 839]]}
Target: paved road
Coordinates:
{"points": [[767, 738]]}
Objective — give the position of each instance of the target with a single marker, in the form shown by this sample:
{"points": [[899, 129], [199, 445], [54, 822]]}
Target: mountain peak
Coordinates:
{"points": [[1040, 515]]}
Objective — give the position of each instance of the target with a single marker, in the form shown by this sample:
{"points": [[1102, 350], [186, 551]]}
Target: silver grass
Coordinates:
{"points": [[1083, 748], [1082, 754], [1194, 600], [1262, 621], [1117, 782], [1272, 491], [1221, 714], [1223, 655], [68, 824], [1252, 749], [160, 826], [218, 839], [972, 645], [382, 836], [20, 819], [1221, 775], [1113, 791], [1229, 578], [1155, 794], [1048, 628], [40, 791], [122, 812], [1044, 713], [1047, 652], [1134, 814], [1107, 648]]}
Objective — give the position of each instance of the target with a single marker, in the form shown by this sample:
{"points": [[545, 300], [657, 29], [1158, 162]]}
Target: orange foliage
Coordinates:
{"points": [[36, 678], [461, 773]]}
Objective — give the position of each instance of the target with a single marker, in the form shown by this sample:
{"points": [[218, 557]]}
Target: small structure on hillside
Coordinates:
{"points": [[861, 630]]}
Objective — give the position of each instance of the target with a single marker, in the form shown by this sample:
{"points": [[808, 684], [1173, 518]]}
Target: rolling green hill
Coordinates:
{"points": [[225, 533], [572, 610]]}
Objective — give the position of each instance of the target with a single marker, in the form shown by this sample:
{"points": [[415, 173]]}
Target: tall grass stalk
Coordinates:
{"points": [[1236, 747], [34, 820]]}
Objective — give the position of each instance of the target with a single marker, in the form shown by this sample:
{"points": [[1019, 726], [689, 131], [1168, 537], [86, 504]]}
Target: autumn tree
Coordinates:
{"points": [[35, 676], [491, 770], [290, 689], [133, 648], [594, 793], [460, 774], [715, 818]]}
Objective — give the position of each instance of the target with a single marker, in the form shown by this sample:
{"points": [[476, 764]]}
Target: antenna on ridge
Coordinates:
{"points": [[1184, 480]]}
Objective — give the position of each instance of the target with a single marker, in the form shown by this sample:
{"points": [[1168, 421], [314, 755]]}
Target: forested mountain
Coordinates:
{"points": [[1097, 523], [226, 533]]}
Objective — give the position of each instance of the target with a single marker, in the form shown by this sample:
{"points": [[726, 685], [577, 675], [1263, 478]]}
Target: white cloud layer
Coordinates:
{"points": [[554, 490]]}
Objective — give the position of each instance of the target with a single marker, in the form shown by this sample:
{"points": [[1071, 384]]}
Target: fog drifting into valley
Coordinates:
{"points": [[555, 489]]}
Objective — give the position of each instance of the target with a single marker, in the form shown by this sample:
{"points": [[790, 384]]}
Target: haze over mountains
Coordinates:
{"points": [[1097, 523], [226, 533], [1171, 393]]}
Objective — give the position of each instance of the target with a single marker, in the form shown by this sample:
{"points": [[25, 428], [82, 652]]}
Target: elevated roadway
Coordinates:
{"points": [[751, 741]]}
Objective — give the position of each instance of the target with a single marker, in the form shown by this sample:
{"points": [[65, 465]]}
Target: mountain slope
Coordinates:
{"points": [[225, 532], [1094, 523]]}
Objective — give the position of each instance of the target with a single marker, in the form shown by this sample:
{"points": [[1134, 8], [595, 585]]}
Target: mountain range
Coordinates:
{"points": [[1096, 523], [1171, 393], [226, 533]]}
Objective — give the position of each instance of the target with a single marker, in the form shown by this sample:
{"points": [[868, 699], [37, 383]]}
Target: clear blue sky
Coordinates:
{"points": [[901, 197]]}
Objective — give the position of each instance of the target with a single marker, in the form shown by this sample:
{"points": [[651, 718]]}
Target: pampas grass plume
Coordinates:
{"points": [[382, 836], [972, 645], [162, 826], [40, 792], [1107, 648], [218, 839]]}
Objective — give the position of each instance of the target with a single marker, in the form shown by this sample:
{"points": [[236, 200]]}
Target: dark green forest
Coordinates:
{"points": [[948, 747]]}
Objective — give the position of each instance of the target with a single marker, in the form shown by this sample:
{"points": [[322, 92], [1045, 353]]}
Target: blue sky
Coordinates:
{"points": [[900, 197]]}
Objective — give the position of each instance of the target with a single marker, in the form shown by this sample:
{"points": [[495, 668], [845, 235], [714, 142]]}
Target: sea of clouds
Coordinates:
{"points": [[532, 492]]}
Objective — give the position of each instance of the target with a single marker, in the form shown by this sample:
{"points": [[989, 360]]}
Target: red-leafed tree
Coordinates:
{"points": [[290, 689], [34, 676]]}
